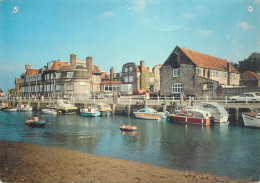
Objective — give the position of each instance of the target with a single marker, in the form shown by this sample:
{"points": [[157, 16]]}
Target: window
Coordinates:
{"points": [[51, 75], [70, 88], [58, 87], [69, 74], [207, 86], [177, 88], [131, 78], [225, 75], [126, 79], [58, 75], [126, 69], [215, 73], [130, 69], [200, 71], [176, 72]]}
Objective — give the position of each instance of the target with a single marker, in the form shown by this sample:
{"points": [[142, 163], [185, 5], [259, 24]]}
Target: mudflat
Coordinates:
{"points": [[24, 162]]}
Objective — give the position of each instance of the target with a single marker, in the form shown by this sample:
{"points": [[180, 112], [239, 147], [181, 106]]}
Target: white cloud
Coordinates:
{"points": [[190, 16], [205, 32], [107, 14], [139, 4], [244, 26]]}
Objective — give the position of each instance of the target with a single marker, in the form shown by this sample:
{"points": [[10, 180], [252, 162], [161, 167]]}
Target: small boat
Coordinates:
{"points": [[10, 109], [104, 109], [149, 113], [128, 128], [63, 106], [49, 110], [251, 119], [36, 124], [91, 111], [192, 116], [24, 108]]}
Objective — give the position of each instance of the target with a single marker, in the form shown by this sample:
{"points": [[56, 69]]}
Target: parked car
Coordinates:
{"points": [[108, 94], [249, 97]]}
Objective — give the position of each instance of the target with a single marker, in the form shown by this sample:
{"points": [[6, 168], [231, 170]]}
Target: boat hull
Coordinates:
{"points": [[190, 120], [39, 124], [128, 128], [90, 114], [10, 110], [252, 120], [48, 111], [147, 116]]}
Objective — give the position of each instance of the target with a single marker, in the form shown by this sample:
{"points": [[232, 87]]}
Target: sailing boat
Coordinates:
{"points": [[10, 108], [91, 111]]}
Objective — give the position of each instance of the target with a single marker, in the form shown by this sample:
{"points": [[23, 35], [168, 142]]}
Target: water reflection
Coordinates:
{"points": [[223, 149]]}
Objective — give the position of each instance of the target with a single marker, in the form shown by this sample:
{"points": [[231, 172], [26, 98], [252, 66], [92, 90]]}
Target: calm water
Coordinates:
{"points": [[227, 150]]}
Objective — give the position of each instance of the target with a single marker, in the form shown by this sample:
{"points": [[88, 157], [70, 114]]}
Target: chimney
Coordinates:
{"points": [[73, 59], [27, 66], [228, 73], [112, 74], [89, 66], [142, 66]]}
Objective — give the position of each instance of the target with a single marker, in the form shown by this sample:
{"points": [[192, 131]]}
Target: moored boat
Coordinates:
{"points": [[24, 108], [63, 106], [149, 113], [104, 109], [128, 128], [251, 119], [49, 110], [192, 116], [91, 111], [10, 109]]}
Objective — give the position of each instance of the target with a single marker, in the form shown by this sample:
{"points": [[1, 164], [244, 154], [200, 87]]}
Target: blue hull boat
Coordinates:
{"points": [[90, 114], [36, 124]]}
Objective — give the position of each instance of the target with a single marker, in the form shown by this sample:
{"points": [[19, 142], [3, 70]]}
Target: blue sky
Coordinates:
{"points": [[115, 32]]}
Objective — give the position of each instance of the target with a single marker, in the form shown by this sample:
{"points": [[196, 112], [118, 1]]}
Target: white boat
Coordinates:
{"points": [[49, 111], [251, 118], [63, 106], [217, 111], [24, 107], [149, 113], [10, 109], [91, 111]]}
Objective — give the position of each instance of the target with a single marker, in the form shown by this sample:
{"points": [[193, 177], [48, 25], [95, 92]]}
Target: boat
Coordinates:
{"points": [[149, 113], [104, 109], [217, 111], [252, 118], [3, 106], [49, 110], [63, 106], [128, 128], [36, 124], [91, 111], [24, 107], [10, 109], [192, 116]]}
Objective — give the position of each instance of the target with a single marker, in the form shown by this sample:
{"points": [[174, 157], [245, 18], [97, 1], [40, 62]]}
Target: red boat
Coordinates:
{"points": [[192, 116]]}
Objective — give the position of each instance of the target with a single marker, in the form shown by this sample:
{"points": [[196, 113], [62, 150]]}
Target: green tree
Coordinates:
{"points": [[1, 90], [252, 63]]}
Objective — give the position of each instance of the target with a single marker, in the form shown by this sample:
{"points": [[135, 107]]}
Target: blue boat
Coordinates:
{"points": [[36, 124]]}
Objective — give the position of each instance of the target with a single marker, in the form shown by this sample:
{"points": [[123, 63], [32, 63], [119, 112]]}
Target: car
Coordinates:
{"points": [[97, 95], [249, 97]]}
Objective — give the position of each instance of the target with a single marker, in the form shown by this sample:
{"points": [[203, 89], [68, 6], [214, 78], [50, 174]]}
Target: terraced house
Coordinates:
{"points": [[196, 74]]}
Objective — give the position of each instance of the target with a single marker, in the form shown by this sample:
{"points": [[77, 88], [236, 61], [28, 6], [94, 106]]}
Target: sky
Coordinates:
{"points": [[115, 32]]}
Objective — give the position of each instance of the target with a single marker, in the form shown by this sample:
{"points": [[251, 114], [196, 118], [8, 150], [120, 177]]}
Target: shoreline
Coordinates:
{"points": [[25, 162]]}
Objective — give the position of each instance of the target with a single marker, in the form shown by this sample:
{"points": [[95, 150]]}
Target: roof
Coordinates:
{"points": [[31, 72], [207, 61], [250, 73], [57, 64], [104, 75], [96, 69], [70, 67]]}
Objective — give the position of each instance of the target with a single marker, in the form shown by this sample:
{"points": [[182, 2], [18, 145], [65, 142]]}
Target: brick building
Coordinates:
{"points": [[196, 74]]}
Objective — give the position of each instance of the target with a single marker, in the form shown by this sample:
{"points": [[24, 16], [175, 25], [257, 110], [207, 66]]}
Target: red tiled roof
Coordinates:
{"points": [[96, 69], [31, 72], [70, 67], [207, 61], [104, 75], [56, 65], [255, 75], [111, 82]]}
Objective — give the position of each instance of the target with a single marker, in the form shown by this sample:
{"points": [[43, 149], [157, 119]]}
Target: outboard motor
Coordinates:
{"points": [[212, 119]]}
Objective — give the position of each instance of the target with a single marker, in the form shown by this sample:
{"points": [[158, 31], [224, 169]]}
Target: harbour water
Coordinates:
{"points": [[225, 149]]}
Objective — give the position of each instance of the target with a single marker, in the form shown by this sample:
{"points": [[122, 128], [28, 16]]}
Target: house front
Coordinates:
{"points": [[196, 74]]}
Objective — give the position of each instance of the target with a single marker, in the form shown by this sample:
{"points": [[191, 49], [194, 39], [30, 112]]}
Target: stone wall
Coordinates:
{"points": [[239, 90], [201, 90]]}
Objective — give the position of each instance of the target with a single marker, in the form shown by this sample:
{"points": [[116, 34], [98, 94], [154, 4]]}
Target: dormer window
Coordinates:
{"points": [[176, 72]]}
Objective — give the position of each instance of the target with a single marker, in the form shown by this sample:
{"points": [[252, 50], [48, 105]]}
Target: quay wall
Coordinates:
{"points": [[239, 91]]}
